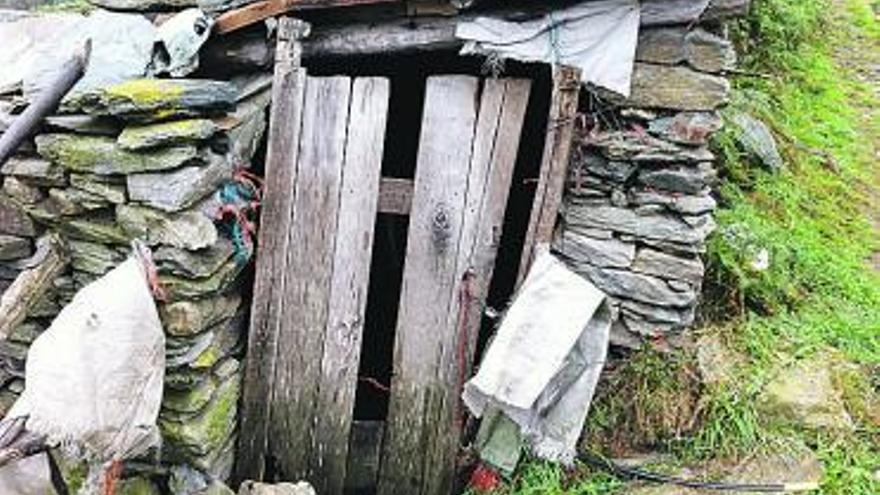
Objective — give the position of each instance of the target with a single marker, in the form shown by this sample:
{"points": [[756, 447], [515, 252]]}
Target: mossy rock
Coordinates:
{"points": [[161, 99], [202, 435], [187, 318], [139, 137], [102, 156], [137, 486], [191, 230]]}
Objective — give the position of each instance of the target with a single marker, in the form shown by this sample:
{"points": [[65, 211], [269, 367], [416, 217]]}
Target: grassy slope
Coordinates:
{"points": [[819, 294]]}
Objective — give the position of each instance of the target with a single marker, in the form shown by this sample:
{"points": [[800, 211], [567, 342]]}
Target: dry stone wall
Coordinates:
{"points": [[152, 160], [638, 207]]}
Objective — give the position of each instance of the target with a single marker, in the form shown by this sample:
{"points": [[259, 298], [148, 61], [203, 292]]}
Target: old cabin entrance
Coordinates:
{"points": [[390, 181]]}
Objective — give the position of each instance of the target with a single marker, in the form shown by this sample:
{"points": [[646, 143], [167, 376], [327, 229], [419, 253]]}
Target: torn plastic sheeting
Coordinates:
{"points": [[93, 379], [178, 41], [599, 38], [543, 365]]}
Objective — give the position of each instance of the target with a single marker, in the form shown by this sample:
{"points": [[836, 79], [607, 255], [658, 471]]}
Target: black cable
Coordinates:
{"points": [[640, 474]]}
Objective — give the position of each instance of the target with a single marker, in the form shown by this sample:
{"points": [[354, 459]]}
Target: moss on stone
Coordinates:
{"points": [[102, 156], [188, 439], [164, 133], [145, 92]]}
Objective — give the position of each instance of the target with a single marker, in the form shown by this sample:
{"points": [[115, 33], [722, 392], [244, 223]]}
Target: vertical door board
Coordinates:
{"points": [[554, 164], [421, 399], [358, 202], [284, 132], [310, 254]]}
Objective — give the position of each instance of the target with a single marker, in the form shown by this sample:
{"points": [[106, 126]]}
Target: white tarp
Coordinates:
{"points": [[597, 37], [542, 367], [93, 379]]}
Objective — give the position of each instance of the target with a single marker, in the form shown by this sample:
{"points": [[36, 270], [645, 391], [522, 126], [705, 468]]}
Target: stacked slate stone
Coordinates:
{"points": [[639, 207], [154, 159]]}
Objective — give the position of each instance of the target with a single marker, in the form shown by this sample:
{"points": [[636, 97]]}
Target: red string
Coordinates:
{"points": [[484, 479], [153, 275], [111, 477], [375, 384]]}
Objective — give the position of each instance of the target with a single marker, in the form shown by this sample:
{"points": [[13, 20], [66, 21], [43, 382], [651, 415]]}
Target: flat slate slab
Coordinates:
{"points": [[103, 156]]}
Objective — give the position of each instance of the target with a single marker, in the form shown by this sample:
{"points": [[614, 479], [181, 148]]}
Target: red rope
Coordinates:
{"points": [[465, 300], [111, 477], [152, 275]]}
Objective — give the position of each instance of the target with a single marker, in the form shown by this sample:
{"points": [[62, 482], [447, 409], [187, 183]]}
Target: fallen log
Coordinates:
{"points": [[31, 284], [45, 103]]}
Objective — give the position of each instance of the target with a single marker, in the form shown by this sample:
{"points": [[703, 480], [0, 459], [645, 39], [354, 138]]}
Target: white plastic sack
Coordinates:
{"points": [[94, 377], [597, 37], [543, 365]]}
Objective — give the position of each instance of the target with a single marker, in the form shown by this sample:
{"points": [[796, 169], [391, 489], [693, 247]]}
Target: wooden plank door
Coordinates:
{"points": [[466, 155]]}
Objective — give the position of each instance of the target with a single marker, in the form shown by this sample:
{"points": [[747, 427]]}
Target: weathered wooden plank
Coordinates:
{"points": [[363, 456], [258, 11], [554, 163], [32, 283], [305, 300], [358, 200], [284, 130], [421, 426], [502, 112], [395, 196]]}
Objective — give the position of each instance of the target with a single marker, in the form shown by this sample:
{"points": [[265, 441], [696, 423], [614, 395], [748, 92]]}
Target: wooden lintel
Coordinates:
{"points": [[258, 11]]}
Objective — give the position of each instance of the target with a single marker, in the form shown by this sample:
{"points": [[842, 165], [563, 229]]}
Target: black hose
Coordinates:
{"points": [[640, 474]]}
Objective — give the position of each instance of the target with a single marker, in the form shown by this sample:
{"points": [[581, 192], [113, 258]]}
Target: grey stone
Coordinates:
{"points": [[643, 288], [708, 52], [189, 401], [687, 204], [94, 258], [665, 228], [255, 488], [683, 179], [186, 230], [245, 136], [658, 314], [205, 433], [677, 88], [187, 318], [668, 266], [84, 124], [207, 349], [137, 486], [179, 288], [14, 219], [617, 171], [618, 198], [147, 100], [661, 46], [25, 333], [626, 146], [22, 192], [757, 140], [227, 367], [178, 189], [108, 188], [72, 202], [138, 137], [602, 253], [691, 128], [35, 170], [100, 230], [715, 361], [788, 461], [183, 379], [646, 328], [102, 156], [194, 264], [805, 394], [681, 286], [620, 336], [12, 247]]}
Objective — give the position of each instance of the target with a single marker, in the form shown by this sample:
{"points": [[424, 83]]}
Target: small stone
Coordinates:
{"points": [[659, 227], [14, 220], [618, 198], [137, 486], [21, 191], [227, 368], [189, 401], [659, 314], [179, 288], [621, 146], [178, 189], [194, 264], [715, 362], [100, 230], [617, 171], [805, 394], [161, 99], [102, 156], [679, 179], [138, 137], [668, 266], [187, 230], [685, 204], [102, 186], [602, 253], [246, 136], [72, 202], [35, 170], [255, 488], [708, 52], [206, 433], [690, 128], [187, 318], [789, 462], [643, 288], [12, 248], [84, 124], [645, 328], [661, 46], [25, 333], [94, 258], [757, 140], [680, 286], [677, 88]]}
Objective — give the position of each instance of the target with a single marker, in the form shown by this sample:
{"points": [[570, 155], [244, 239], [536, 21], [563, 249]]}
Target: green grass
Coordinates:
{"points": [[819, 295]]}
